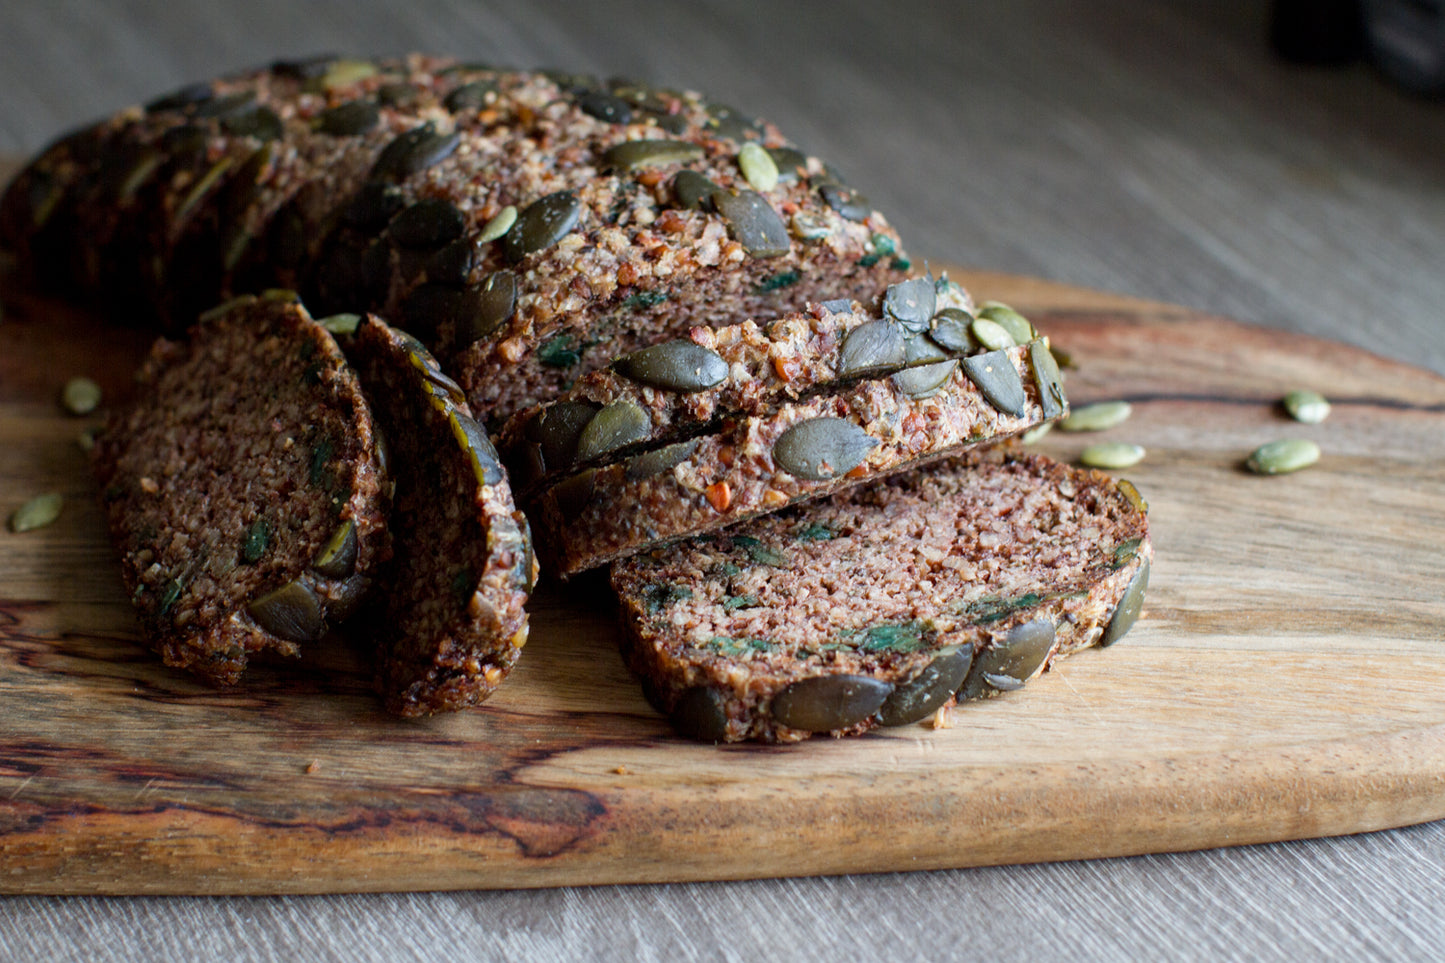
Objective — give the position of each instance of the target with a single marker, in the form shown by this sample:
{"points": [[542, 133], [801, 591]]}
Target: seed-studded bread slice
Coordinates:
{"points": [[806, 449], [683, 388], [881, 605], [450, 620], [243, 488], [528, 226]]}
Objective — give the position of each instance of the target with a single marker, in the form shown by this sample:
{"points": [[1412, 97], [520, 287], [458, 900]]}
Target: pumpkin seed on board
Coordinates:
{"points": [[1306, 406], [1112, 454], [37, 512], [1100, 416], [1035, 433], [1283, 456], [80, 396]]}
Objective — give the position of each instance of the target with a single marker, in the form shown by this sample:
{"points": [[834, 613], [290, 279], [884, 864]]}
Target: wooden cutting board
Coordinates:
{"points": [[1286, 681]]}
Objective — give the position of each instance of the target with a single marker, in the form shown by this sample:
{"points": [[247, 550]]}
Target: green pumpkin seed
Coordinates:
{"points": [[911, 303], [925, 693], [826, 702], [1035, 433], [663, 459], [1099, 416], [486, 465], [80, 396], [257, 541], [1132, 494], [618, 424], [1010, 320], [871, 349], [1112, 454], [427, 224], [292, 612], [605, 107], [792, 165], [1018, 657], [543, 223], [846, 201], [230, 105], [188, 96], [991, 334], [1127, 611], [37, 512], [136, 174], [337, 558], [306, 68], [753, 223], [1309, 407], [556, 429], [700, 714], [262, 123], [693, 191], [496, 302], [809, 227], [821, 449], [950, 330], [1283, 456], [201, 188], [758, 167], [342, 324], [500, 224], [349, 120], [453, 263], [679, 365], [921, 381], [374, 205], [413, 152], [574, 495], [996, 377], [472, 96], [1049, 380], [631, 155], [344, 73]]}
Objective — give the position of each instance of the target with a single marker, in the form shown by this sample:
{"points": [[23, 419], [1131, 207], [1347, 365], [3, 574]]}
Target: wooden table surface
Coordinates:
{"points": [[1148, 148]]}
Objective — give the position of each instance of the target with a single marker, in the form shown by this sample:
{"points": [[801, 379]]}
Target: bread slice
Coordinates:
{"points": [[449, 618], [243, 489], [885, 603]]}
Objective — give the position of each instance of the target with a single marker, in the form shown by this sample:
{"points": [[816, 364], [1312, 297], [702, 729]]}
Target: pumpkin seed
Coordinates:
{"points": [[1012, 662], [342, 324], [396, 95], [1100, 416], [950, 330], [991, 334], [306, 68], [257, 541], [693, 191], [495, 303], [472, 96], [1010, 320], [758, 167], [791, 164], [80, 396], [291, 612], [926, 692], [846, 201], [837, 306], [413, 152], [261, 122], [350, 119], [806, 226], [374, 205], [618, 424], [1309, 407], [827, 702], [229, 105], [872, 348], [823, 448], [201, 188], [924, 380], [486, 465], [543, 223], [1127, 611], [731, 123], [1048, 378], [631, 155], [1035, 433], [556, 429], [188, 96], [1112, 454], [37, 512], [337, 558], [679, 365], [663, 459], [1283, 456], [700, 714], [344, 73], [1132, 494], [753, 222], [605, 107], [498, 225], [452, 264], [427, 224], [135, 175], [996, 377], [574, 495], [910, 303]]}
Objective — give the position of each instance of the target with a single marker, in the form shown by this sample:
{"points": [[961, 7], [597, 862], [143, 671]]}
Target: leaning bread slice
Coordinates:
{"points": [[243, 488], [802, 450], [879, 606], [680, 389], [451, 619]]}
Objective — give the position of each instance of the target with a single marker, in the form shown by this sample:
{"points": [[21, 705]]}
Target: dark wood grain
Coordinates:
{"points": [[1284, 683]]}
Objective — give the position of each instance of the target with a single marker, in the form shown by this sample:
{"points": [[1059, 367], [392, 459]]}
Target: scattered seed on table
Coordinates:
{"points": [[80, 396], [1112, 454], [1035, 433], [1285, 455], [1099, 416], [37, 513], [1307, 406]]}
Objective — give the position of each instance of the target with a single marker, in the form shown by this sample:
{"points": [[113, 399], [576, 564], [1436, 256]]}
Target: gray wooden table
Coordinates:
{"points": [[1149, 148]]}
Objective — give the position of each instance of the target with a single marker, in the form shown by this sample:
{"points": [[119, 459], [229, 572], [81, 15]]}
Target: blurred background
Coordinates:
{"points": [[1161, 148]]}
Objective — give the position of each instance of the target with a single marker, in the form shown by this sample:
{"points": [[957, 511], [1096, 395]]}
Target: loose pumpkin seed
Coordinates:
{"points": [[823, 448], [80, 396], [991, 334], [679, 365], [1035, 433], [500, 224], [1309, 407], [37, 512], [1100, 416], [827, 702], [1112, 454], [758, 167], [1283, 456]]}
